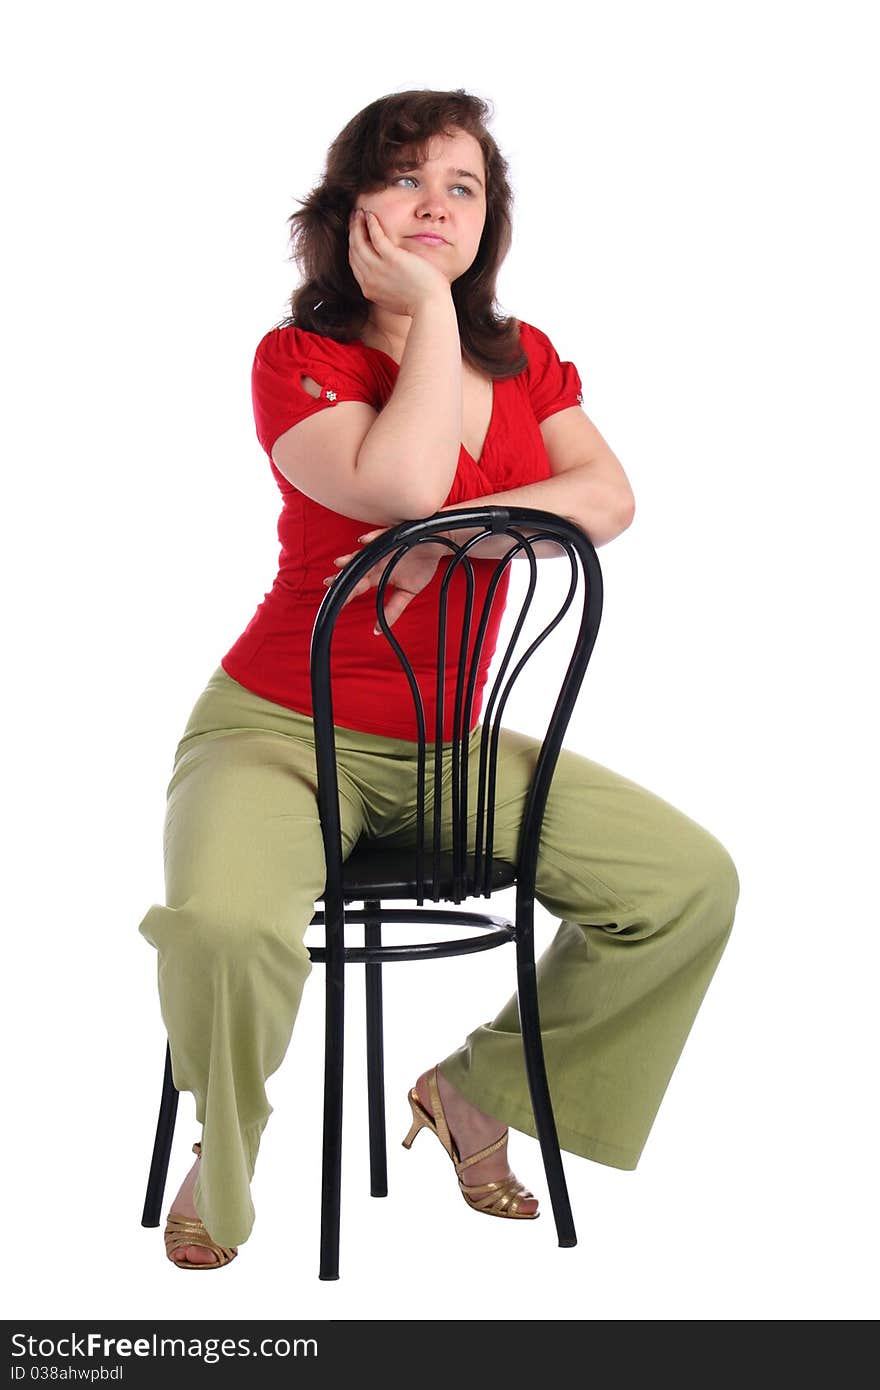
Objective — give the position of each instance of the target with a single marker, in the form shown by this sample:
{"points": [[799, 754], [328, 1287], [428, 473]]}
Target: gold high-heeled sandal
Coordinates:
{"points": [[183, 1230], [501, 1198]]}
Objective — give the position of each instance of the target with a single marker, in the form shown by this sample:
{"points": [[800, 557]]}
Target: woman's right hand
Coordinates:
{"points": [[389, 276]]}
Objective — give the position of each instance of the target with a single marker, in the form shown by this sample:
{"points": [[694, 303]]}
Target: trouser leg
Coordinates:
{"points": [[647, 900], [244, 864]]}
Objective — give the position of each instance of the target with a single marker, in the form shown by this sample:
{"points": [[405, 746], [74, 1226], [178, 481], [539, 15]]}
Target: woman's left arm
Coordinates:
{"points": [[587, 486]]}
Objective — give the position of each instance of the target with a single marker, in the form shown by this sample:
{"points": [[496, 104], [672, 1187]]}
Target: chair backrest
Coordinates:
{"points": [[471, 865]]}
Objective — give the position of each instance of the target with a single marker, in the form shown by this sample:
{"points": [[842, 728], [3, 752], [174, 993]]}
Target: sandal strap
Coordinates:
{"points": [[439, 1115], [445, 1137], [483, 1153], [184, 1230], [497, 1196]]}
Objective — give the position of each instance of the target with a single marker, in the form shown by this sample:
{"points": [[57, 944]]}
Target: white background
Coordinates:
{"points": [[696, 228]]}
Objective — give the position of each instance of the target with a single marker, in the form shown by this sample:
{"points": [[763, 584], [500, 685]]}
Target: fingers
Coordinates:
{"points": [[362, 587], [394, 606], [364, 230], [373, 225], [358, 240], [340, 562], [355, 237], [395, 601], [366, 219]]}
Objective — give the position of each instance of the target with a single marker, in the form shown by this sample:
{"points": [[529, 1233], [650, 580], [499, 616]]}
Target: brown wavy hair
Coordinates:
{"points": [[401, 125]]}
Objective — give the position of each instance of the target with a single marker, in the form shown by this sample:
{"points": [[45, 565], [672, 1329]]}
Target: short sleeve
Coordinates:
{"points": [[282, 358], [553, 385]]}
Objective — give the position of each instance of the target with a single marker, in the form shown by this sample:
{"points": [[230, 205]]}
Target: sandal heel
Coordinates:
{"points": [[419, 1123], [503, 1198]]}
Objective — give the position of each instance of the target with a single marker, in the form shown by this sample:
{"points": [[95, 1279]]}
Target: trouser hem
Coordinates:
{"points": [[571, 1140]]}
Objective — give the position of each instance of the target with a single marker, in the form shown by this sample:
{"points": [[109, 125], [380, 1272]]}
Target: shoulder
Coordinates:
{"points": [[552, 383], [298, 345], [539, 350], [533, 340], [343, 368]]}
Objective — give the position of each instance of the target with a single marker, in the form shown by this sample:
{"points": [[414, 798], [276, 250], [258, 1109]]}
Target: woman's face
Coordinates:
{"points": [[436, 198]]}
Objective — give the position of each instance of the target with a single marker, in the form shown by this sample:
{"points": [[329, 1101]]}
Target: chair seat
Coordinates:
{"points": [[391, 873]]}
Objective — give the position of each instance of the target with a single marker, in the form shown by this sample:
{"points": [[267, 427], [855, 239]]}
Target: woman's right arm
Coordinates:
{"points": [[410, 454], [397, 464]]}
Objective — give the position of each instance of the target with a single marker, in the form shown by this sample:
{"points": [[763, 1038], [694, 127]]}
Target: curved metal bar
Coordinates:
{"points": [[491, 721], [459, 746], [420, 724], [415, 691], [463, 885], [496, 730], [488, 603], [429, 950], [499, 930], [450, 918], [542, 635], [549, 753]]}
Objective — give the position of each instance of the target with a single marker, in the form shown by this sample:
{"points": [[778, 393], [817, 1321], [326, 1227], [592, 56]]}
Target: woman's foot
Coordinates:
{"points": [[471, 1130], [183, 1206]]}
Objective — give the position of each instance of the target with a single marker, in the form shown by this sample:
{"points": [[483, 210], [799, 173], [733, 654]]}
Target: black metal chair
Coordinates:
{"points": [[371, 875]]}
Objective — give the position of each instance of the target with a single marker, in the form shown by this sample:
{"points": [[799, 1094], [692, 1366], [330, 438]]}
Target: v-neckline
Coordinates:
{"points": [[488, 433]]}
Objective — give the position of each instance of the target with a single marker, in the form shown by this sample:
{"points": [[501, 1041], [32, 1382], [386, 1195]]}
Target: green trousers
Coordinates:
{"points": [[646, 897]]}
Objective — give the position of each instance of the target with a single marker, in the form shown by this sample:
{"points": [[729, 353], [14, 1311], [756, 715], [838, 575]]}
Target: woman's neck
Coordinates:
{"points": [[387, 332]]}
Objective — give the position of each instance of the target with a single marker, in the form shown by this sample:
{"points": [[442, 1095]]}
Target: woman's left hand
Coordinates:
{"points": [[412, 573]]}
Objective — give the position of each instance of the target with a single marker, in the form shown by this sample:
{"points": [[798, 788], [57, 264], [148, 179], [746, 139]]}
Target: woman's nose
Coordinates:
{"points": [[437, 204], [435, 208]]}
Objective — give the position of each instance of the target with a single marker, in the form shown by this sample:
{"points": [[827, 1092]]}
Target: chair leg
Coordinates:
{"points": [[161, 1146], [375, 1058], [334, 1026], [530, 1026]]}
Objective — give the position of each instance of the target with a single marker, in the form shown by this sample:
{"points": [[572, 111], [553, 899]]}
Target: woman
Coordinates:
{"points": [[394, 391]]}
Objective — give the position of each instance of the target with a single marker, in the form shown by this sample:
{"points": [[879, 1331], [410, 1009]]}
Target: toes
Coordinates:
{"points": [[195, 1254], [526, 1204], [522, 1207]]}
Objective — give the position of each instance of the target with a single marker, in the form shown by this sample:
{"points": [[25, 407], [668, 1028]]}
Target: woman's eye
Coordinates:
{"points": [[462, 186]]}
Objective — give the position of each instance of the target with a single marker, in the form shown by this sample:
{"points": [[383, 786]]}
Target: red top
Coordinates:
{"points": [[370, 689]]}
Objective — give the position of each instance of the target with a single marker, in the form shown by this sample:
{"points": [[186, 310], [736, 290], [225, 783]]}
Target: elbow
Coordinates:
{"points": [[616, 520], [412, 507], [431, 506], [627, 511], [410, 498], [428, 485], [423, 502]]}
